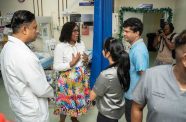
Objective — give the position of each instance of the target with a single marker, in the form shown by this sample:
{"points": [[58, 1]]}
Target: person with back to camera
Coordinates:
{"points": [[109, 86], [165, 42], [72, 91], [23, 75], [139, 58], [163, 89]]}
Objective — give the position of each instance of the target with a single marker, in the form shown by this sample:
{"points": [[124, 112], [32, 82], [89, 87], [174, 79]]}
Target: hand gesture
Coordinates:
{"points": [[163, 35], [75, 59], [85, 57]]}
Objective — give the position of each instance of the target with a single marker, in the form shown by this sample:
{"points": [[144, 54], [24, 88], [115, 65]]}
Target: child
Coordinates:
{"points": [[112, 82]]}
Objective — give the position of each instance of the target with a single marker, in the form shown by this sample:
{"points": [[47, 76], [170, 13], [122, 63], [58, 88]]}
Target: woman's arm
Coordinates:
{"points": [[92, 95], [169, 44], [136, 112], [100, 87]]}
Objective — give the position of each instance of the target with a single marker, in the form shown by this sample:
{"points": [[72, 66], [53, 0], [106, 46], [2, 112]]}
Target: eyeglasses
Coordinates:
{"points": [[75, 30]]}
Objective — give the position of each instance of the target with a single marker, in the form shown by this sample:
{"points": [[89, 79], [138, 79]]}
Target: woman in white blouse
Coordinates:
{"points": [[72, 91]]}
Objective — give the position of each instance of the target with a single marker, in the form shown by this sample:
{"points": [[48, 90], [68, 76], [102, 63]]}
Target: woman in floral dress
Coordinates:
{"points": [[72, 91]]}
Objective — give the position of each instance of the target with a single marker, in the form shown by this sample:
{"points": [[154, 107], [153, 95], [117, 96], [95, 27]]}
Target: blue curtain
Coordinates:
{"points": [[102, 30]]}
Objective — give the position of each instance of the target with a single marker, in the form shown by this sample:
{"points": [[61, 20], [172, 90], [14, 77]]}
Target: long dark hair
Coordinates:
{"points": [[66, 32], [121, 59]]}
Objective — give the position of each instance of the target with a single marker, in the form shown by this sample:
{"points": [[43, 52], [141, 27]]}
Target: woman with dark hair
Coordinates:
{"points": [[72, 84], [112, 82], [164, 40]]}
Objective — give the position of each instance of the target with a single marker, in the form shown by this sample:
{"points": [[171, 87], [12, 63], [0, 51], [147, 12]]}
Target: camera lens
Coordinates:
{"points": [[160, 31]]}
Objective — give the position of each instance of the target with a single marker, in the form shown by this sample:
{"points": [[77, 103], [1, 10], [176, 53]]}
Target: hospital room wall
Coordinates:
{"points": [[50, 8], [180, 17], [178, 7], [135, 3]]}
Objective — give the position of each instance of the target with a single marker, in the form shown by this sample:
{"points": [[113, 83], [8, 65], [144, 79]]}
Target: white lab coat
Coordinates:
{"points": [[25, 82]]}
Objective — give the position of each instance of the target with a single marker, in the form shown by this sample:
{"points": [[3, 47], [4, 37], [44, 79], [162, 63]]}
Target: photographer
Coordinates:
{"points": [[165, 43]]}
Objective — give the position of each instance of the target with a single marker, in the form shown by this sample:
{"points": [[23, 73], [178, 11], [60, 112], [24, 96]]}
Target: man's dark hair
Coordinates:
{"points": [[135, 25], [66, 32], [170, 25], [20, 18], [180, 39]]}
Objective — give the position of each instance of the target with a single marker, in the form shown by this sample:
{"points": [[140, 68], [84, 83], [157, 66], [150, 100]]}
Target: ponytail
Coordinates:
{"points": [[121, 59], [123, 70]]}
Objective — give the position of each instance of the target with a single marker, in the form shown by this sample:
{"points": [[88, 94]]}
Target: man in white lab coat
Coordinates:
{"points": [[23, 75]]}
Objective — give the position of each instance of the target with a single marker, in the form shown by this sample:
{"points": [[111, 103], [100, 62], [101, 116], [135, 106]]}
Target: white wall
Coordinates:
{"points": [[135, 3], [178, 7], [50, 8], [180, 16], [13, 5], [156, 4]]}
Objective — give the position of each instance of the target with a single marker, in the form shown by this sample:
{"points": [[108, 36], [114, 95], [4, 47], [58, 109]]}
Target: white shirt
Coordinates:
{"points": [[63, 55], [25, 82]]}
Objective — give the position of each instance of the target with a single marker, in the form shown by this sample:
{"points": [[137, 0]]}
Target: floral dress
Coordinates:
{"points": [[72, 92]]}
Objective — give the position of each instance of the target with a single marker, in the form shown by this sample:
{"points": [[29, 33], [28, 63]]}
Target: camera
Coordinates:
{"points": [[160, 31]]}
